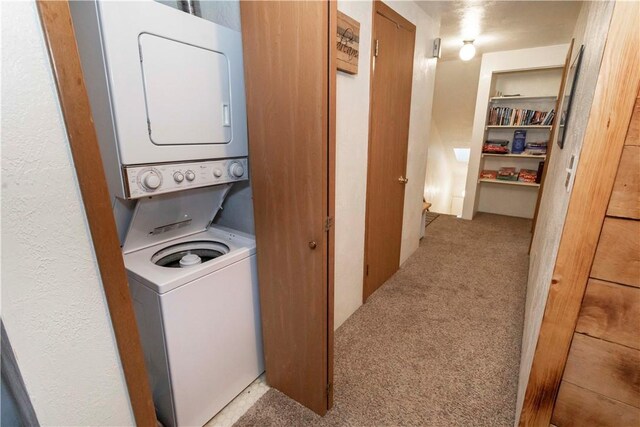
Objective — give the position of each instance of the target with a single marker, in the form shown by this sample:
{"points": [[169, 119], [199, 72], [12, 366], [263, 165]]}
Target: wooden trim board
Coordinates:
{"points": [[617, 257], [611, 312], [625, 198], [606, 368], [614, 97], [331, 202], [74, 102], [580, 407]]}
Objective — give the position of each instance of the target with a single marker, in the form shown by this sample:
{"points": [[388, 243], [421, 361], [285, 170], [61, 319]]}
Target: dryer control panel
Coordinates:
{"points": [[147, 180]]}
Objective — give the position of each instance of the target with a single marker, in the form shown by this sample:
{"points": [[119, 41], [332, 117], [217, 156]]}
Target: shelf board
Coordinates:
{"points": [[498, 181], [523, 98], [518, 127], [521, 156]]}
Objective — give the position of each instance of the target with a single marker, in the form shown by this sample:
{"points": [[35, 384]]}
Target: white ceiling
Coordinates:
{"points": [[502, 25]]}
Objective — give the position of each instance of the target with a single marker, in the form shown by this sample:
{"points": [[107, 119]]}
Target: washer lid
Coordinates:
{"points": [[165, 217]]}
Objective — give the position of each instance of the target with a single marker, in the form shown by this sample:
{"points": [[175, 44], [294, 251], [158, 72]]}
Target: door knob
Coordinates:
{"points": [[313, 244], [403, 180]]}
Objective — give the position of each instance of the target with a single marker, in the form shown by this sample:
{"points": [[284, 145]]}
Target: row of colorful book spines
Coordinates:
{"points": [[506, 116]]}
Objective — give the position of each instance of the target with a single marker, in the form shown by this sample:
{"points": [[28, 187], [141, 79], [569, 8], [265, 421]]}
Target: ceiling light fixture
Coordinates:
{"points": [[468, 50]]}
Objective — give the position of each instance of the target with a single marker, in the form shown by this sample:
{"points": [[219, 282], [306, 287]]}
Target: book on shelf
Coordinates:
{"points": [[527, 175], [507, 174], [510, 174], [519, 141], [540, 170], [496, 146], [507, 116], [536, 148], [488, 174]]}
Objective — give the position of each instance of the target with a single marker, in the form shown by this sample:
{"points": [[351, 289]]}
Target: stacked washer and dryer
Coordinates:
{"points": [[167, 94]]}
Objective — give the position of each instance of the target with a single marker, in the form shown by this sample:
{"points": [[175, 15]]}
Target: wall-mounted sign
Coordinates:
{"points": [[347, 44]]}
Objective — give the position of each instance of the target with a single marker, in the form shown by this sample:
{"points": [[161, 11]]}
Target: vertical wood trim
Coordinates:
{"points": [[613, 101], [331, 182], [74, 102], [367, 204]]}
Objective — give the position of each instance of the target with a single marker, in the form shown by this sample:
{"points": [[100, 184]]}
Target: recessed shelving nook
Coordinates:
{"points": [[520, 101]]}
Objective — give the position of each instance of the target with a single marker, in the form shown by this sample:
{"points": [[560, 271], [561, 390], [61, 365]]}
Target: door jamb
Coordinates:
{"points": [[61, 44], [378, 8], [331, 195]]}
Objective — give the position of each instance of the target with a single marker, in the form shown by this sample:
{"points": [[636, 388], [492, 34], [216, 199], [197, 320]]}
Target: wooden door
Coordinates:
{"points": [[392, 71], [289, 78]]}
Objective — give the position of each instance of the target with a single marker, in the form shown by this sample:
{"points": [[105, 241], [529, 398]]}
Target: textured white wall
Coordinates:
{"points": [[454, 103], [424, 73], [53, 304], [591, 30], [352, 139], [352, 143]]}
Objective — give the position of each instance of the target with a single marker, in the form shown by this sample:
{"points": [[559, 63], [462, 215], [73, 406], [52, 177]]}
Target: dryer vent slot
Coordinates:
{"points": [[169, 227]]}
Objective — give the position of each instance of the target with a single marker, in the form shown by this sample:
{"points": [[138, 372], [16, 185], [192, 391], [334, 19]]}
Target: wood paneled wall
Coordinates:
{"points": [[601, 380]]}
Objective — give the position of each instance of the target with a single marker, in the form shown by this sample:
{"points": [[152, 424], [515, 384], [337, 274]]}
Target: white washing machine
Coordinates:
{"points": [[195, 294]]}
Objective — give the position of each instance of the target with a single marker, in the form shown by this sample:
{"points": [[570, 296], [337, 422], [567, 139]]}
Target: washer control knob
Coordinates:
{"points": [[217, 173], [178, 177], [190, 175], [236, 169], [151, 180]]}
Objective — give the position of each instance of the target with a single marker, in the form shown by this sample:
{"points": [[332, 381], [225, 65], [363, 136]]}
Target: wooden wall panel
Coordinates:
{"points": [[633, 135], [605, 368], [625, 198], [579, 407], [618, 255], [611, 312]]}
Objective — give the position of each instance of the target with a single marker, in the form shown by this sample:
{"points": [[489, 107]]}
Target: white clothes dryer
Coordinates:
{"points": [[195, 293], [166, 88]]}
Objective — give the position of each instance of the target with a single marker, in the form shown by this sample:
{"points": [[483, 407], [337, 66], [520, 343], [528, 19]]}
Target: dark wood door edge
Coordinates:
{"points": [[74, 102], [331, 202], [615, 95]]}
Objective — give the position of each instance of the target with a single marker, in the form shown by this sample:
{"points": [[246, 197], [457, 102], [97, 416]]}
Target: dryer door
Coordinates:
{"points": [[186, 92], [176, 84]]}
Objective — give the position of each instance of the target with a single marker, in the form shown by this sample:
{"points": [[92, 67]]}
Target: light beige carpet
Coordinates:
{"points": [[438, 344]]}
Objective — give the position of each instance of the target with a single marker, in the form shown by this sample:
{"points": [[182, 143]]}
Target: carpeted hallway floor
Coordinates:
{"points": [[438, 344]]}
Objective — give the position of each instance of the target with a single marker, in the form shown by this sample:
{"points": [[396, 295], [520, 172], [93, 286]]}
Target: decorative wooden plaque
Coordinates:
{"points": [[347, 44]]}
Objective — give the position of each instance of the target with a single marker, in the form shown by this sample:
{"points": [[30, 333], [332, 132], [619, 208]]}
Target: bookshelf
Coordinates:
{"points": [[541, 127], [517, 183], [526, 111], [516, 156], [522, 98]]}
